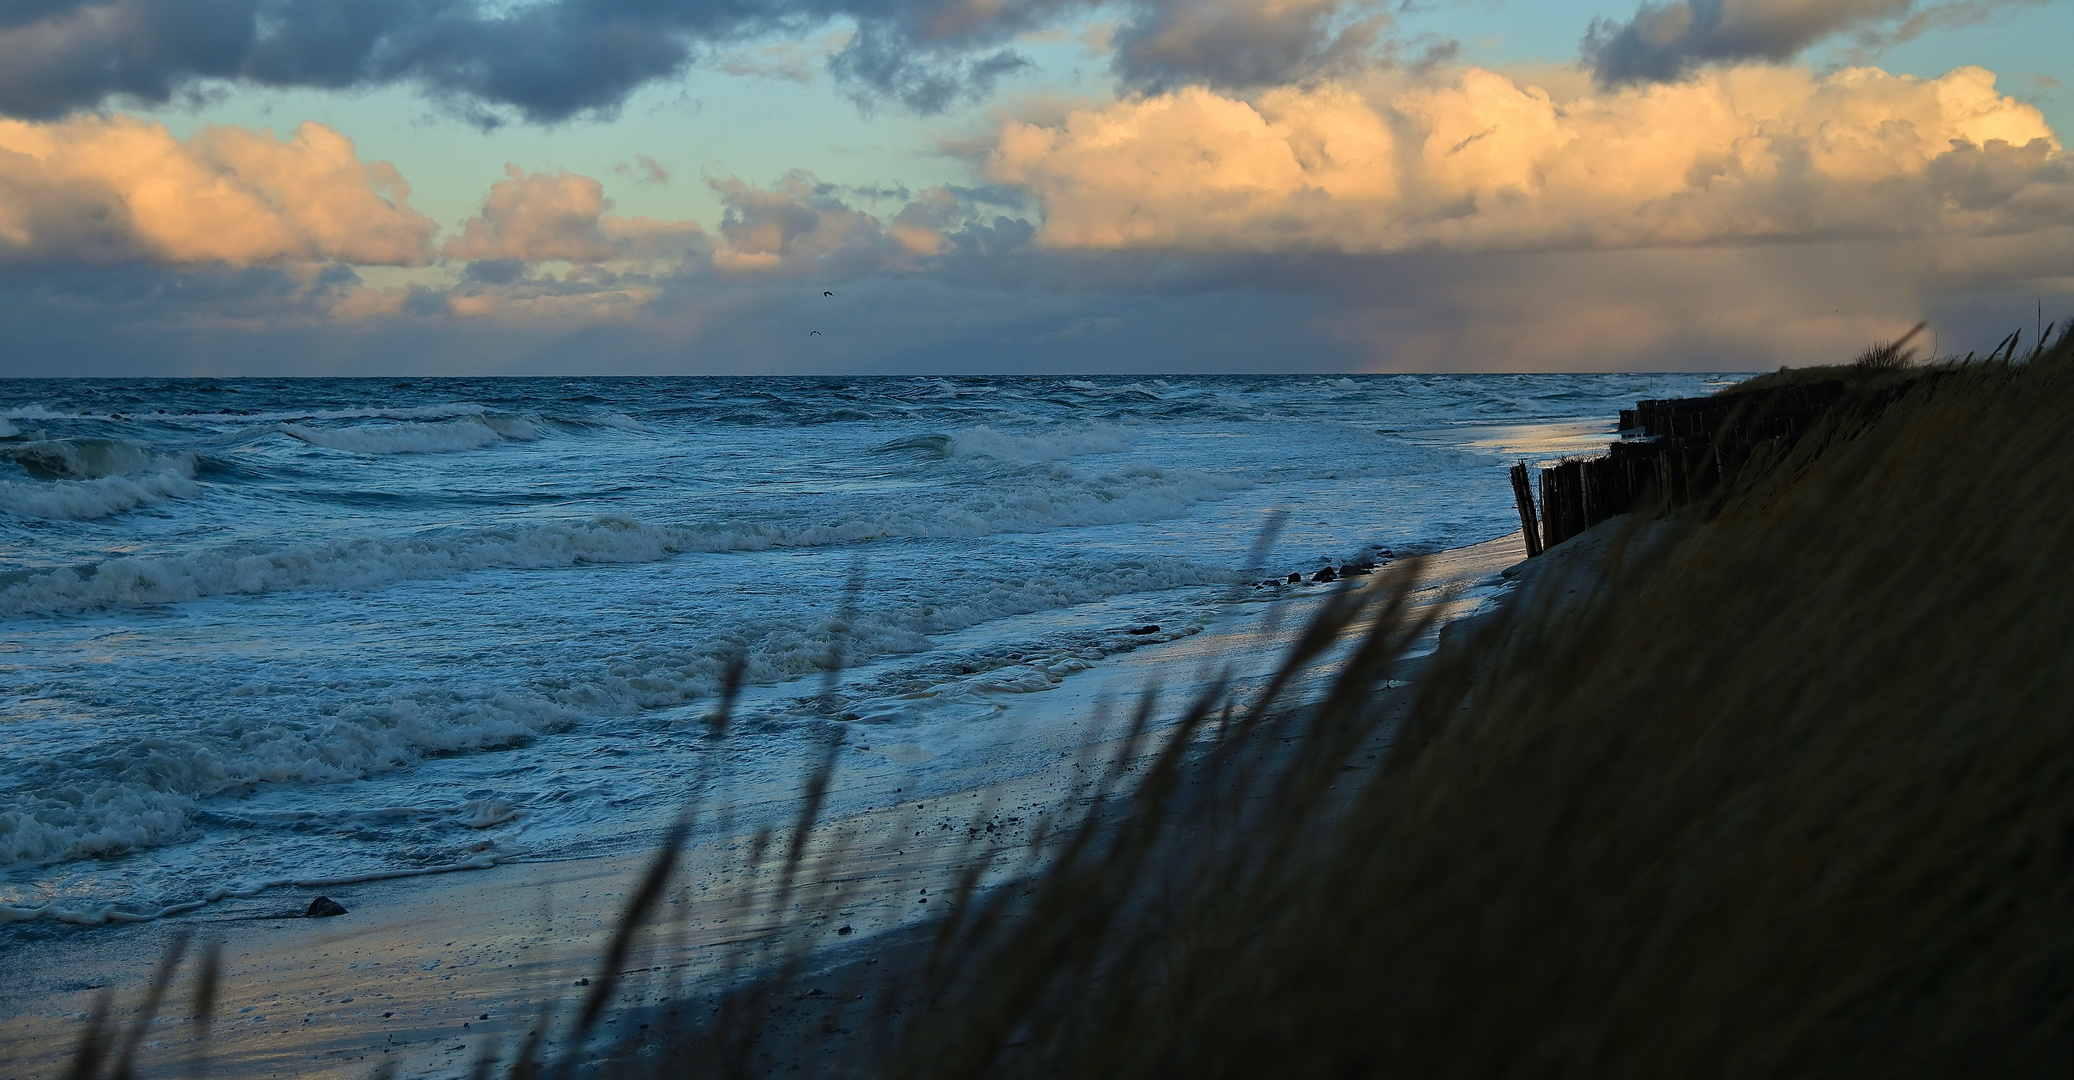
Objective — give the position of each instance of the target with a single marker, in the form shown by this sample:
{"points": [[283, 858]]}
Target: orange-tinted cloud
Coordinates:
{"points": [[105, 189], [543, 217], [1477, 162], [537, 216]]}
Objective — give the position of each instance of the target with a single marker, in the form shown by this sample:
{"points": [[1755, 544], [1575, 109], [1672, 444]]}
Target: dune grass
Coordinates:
{"points": [[1790, 793]]}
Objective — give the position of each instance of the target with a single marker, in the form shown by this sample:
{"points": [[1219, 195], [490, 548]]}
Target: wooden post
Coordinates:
{"points": [[1524, 495]]}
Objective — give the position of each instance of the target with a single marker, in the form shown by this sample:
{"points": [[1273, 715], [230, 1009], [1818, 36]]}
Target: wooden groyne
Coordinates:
{"points": [[1672, 452]]}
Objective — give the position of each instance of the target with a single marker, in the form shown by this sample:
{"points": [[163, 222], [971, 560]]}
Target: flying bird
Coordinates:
{"points": [[826, 293], [816, 333]]}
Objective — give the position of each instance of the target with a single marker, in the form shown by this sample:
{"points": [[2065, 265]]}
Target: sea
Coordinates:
{"points": [[264, 633]]}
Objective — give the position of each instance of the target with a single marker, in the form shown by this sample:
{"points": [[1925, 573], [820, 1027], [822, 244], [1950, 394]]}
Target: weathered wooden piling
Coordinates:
{"points": [[1523, 494], [1673, 452]]}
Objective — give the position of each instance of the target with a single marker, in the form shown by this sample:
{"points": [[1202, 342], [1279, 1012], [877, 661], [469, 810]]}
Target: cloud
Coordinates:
{"points": [[791, 61], [562, 217], [533, 217], [1708, 308], [563, 304], [883, 62], [1241, 42], [115, 189], [551, 60], [800, 226], [930, 57], [547, 60], [1477, 162], [939, 286], [533, 223], [644, 170], [1664, 41]]}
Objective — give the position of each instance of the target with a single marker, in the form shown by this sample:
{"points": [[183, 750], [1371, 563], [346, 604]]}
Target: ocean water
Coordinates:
{"points": [[255, 632]]}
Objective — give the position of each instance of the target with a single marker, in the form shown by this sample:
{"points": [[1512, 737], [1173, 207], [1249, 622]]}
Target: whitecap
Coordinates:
{"points": [[466, 433], [85, 500], [1057, 497], [81, 459]]}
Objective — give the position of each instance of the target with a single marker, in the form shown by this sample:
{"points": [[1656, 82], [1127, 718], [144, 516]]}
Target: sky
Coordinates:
{"points": [[618, 187]]}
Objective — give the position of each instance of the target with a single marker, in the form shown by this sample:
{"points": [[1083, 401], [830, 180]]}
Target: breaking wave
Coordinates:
{"points": [[466, 433], [1065, 498], [81, 459], [83, 479], [84, 500], [103, 800]]}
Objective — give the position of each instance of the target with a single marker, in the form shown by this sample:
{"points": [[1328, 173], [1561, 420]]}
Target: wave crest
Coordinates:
{"points": [[465, 433], [104, 801], [85, 500], [81, 459], [1061, 498], [83, 479]]}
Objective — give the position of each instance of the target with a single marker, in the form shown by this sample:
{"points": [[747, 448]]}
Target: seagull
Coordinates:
{"points": [[816, 333], [826, 293]]}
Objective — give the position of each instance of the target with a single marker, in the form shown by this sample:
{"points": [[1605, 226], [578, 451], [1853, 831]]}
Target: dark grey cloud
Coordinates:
{"points": [[1241, 42], [496, 271], [551, 60], [15, 13], [882, 63], [1948, 15], [546, 61], [1666, 40]]}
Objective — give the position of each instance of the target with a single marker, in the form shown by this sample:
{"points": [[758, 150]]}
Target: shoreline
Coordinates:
{"points": [[429, 971]]}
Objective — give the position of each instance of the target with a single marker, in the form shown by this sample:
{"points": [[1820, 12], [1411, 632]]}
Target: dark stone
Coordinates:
{"points": [[1148, 628], [1295, 578], [1353, 570], [323, 907], [1327, 574], [842, 930]]}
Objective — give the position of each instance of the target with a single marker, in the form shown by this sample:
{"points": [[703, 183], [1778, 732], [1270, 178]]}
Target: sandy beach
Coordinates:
{"points": [[428, 973]]}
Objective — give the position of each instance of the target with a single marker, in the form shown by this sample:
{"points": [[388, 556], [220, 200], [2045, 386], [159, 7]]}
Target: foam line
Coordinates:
{"points": [[105, 914]]}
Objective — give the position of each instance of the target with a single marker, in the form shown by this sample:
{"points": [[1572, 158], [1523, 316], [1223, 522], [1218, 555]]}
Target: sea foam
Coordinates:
{"points": [[84, 500], [466, 433], [83, 479], [1059, 497], [101, 799]]}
